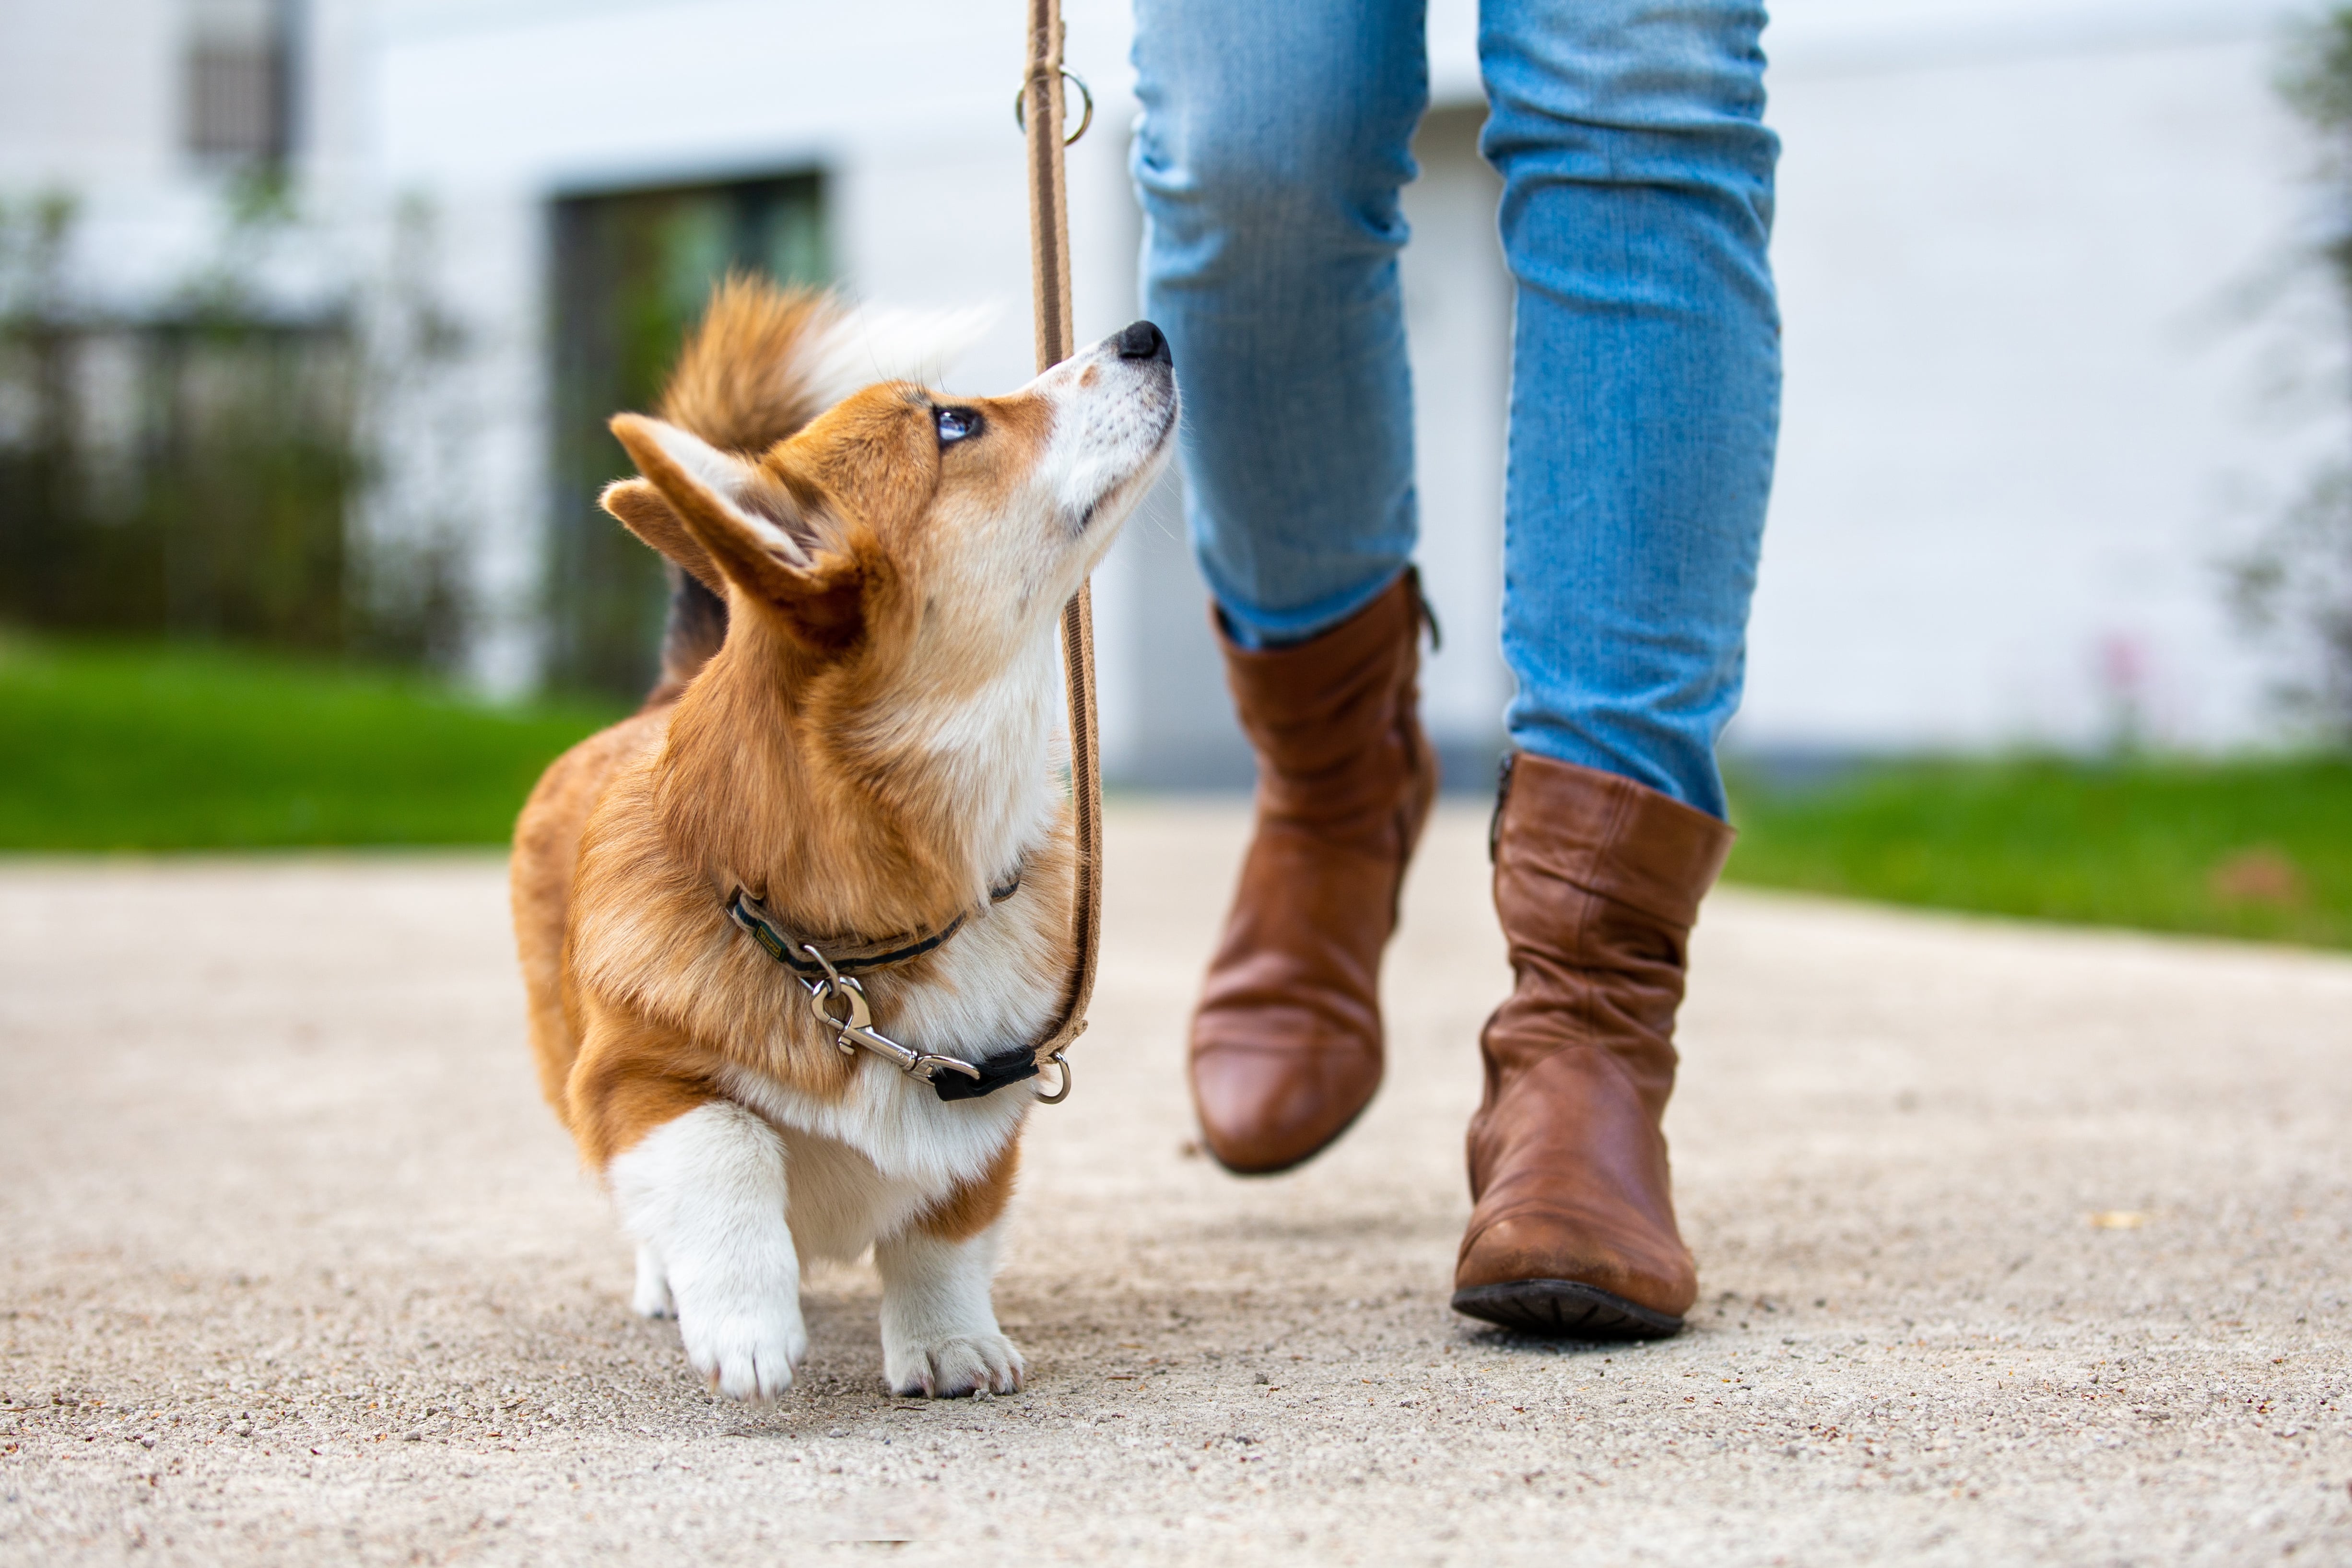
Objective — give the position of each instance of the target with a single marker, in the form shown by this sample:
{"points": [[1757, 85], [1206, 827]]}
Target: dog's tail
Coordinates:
{"points": [[691, 633], [742, 384], [765, 361], [749, 374]]}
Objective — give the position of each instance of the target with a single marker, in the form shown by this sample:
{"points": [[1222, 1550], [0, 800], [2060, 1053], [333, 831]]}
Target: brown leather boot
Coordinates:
{"points": [[1597, 879], [1286, 1040]]}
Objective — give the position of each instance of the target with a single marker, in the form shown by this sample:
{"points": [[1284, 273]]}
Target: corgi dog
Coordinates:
{"points": [[790, 933]]}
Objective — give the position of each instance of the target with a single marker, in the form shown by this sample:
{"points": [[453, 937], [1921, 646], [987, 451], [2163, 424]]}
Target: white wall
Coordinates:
{"points": [[2025, 408], [1457, 297], [90, 92], [2023, 422], [2027, 415]]}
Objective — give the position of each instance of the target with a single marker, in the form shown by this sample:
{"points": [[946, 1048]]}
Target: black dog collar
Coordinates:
{"points": [[839, 1001]]}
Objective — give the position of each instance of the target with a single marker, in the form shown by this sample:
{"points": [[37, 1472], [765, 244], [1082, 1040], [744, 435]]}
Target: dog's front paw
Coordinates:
{"points": [[953, 1367], [744, 1348]]}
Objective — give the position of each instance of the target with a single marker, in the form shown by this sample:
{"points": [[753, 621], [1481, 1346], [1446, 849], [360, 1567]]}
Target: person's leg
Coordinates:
{"points": [[1645, 373], [1275, 137], [1637, 199], [1273, 143]]}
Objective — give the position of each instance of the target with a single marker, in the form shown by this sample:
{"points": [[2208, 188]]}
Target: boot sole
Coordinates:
{"points": [[1564, 1309]]}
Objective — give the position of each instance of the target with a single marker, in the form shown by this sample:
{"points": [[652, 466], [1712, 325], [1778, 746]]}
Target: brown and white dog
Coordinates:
{"points": [[863, 750]]}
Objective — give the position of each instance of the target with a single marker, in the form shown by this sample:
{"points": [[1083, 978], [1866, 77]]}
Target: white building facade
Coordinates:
{"points": [[2031, 401]]}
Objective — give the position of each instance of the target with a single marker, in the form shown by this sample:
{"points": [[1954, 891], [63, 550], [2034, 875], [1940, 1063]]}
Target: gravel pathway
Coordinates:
{"points": [[2017, 1245]]}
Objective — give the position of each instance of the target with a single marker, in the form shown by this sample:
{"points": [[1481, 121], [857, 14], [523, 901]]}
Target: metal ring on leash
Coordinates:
{"points": [[1085, 97], [1063, 1093]]}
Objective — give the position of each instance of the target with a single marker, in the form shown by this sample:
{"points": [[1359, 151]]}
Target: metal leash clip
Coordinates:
{"points": [[854, 1028]]}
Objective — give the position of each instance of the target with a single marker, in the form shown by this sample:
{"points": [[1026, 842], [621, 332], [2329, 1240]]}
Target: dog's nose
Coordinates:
{"points": [[1141, 340]]}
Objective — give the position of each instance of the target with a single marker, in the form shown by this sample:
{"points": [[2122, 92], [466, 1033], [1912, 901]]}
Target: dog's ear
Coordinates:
{"points": [[753, 532], [640, 506]]}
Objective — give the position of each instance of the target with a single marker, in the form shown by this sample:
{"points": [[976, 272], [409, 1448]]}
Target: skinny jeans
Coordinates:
{"points": [[1637, 203]]}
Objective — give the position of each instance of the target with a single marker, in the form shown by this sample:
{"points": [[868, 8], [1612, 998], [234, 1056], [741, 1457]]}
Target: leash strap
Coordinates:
{"points": [[1049, 266], [995, 1074]]}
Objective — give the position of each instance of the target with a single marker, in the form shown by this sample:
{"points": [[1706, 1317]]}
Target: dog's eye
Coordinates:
{"points": [[956, 425]]}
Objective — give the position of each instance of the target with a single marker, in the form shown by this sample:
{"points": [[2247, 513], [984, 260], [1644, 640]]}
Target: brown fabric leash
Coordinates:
{"points": [[1049, 262], [828, 968]]}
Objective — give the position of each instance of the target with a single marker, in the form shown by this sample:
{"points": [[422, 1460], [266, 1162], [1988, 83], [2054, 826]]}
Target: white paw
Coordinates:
{"points": [[745, 1344], [651, 1298], [705, 1194], [951, 1367]]}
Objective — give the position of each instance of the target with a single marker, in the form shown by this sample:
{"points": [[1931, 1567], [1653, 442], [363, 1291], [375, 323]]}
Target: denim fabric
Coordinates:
{"points": [[1646, 359]]}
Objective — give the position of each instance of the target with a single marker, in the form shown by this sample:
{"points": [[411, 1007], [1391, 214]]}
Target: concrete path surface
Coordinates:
{"points": [[2017, 1245]]}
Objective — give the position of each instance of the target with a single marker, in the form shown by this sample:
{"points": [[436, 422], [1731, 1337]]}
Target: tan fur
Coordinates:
{"points": [[868, 751], [640, 506], [976, 1205], [546, 853], [640, 1074]]}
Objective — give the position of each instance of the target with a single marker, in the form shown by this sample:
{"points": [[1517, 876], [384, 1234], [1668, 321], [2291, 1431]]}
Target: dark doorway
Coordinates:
{"points": [[632, 272]]}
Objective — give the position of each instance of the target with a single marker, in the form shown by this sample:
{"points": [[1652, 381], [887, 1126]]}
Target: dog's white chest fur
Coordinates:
{"points": [[863, 1166]]}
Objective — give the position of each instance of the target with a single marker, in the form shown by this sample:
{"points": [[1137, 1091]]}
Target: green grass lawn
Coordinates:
{"points": [[112, 746], [2255, 849], [109, 746]]}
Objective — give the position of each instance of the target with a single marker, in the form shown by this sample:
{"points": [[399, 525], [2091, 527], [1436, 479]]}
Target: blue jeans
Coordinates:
{"points": [[1645, 360]]}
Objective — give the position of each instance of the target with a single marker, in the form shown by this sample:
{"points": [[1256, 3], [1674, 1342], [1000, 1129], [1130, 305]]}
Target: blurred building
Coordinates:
{"points": [[2050, 360], [2032, 401]]}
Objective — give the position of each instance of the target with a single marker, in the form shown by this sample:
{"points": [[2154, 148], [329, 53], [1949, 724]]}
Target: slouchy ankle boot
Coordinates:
{"points": [[1572, 1229], [1287, 1041]]}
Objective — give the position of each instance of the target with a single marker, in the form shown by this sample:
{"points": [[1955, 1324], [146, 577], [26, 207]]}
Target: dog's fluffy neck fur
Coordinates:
{"points": [[949, 795]]}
